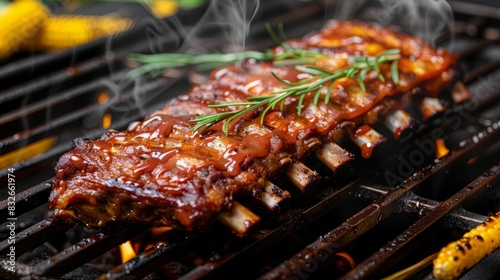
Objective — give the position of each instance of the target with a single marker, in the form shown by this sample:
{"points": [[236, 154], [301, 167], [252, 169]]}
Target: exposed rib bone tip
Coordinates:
{"points": [[398, 121], [430, 106], [333, 156], [366, 138], [272, 196], [239, 219], [460, 93], [301, 175]]}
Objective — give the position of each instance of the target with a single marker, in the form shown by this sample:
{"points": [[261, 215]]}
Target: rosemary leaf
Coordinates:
{"points": [[273, 35], [329, 92], [390, 52], [299, 104], [317, 95], [280, 79], [377, 69], [362, 73], [361, 84], [313, 70], [221, 105], [395, 72]]}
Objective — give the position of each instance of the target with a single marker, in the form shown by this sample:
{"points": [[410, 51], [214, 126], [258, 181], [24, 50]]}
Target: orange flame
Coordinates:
{"points": [[106, 121], [103, 97], [472, 160], [158, 231], [441, 149], [127, 252]]}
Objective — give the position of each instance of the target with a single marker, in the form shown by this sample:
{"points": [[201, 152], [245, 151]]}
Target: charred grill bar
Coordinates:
{"points": [[310, 235]]}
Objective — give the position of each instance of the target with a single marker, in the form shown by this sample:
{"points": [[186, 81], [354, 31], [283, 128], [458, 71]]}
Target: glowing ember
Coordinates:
{"points": [[126, 251], [441, 149], [158, 231], [472, 160], [344, 262], [103, 97], [27, 152], [106, 121]]}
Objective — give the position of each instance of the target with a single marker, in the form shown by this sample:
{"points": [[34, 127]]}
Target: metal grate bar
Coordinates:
{"points": [[86, 250], [56, 100], [153, 258], [27, 200], [34, 236], [474, 49], [372, 214], [370, 264], [474, 74]]}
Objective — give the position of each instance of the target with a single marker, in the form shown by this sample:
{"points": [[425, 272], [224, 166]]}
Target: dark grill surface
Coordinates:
{"points": [[372, 218]]}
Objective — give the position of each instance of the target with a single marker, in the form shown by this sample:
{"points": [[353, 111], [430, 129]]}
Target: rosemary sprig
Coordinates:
{"points": [[358, 68], [154, 64]]}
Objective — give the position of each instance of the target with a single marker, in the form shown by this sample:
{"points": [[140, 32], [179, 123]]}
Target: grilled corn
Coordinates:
{"points": [[460, 255], [66, 31], [20, 22], [164, 8]]}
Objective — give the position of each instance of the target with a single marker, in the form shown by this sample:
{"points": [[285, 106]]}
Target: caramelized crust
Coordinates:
{"points": [[160, 171]]}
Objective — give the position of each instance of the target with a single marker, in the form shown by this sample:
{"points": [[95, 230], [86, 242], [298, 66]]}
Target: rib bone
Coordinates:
{"points": [[333, 156], [398, 121], [366, 138], [301, 175], [239, 219], [460, 93], [272, 196], [430, 106]]}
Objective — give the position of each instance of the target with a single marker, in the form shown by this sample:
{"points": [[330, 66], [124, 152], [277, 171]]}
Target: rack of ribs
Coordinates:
{"points": [[162, 172]]}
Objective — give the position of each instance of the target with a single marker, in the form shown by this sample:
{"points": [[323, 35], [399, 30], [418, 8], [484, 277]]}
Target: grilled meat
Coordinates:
{"points": [[160, 171]]}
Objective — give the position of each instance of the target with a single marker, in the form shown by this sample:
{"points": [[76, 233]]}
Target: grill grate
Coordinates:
{"points": [[309, 237]]}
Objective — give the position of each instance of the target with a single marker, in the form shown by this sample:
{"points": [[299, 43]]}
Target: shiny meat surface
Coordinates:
{"points": [[161, 172]]}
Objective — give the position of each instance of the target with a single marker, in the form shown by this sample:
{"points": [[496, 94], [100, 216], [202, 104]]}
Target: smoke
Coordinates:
{"points": [[224, 24], [229, 18], [426, 19]]}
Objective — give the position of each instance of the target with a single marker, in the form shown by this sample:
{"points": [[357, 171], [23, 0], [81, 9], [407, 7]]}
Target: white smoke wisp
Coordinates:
{"points": [[426, 19], [224, 23], [231, 18]]}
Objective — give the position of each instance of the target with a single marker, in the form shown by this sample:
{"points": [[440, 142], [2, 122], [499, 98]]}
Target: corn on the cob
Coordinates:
{"points": [[460, 255], [20, 21], [66, 31], [164, 8]]}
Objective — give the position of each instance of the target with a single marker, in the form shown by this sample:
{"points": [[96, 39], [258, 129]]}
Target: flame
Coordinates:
{"points": [[158, 231], [27, 152], [472, 160], [441, 149], [103, 97], [344, 262], [127, 252], [106, 121]]}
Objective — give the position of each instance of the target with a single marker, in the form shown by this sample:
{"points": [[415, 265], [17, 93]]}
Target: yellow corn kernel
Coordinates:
{"points": [[164, 8], [66, 31], [460, 255], [20, 21]]}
